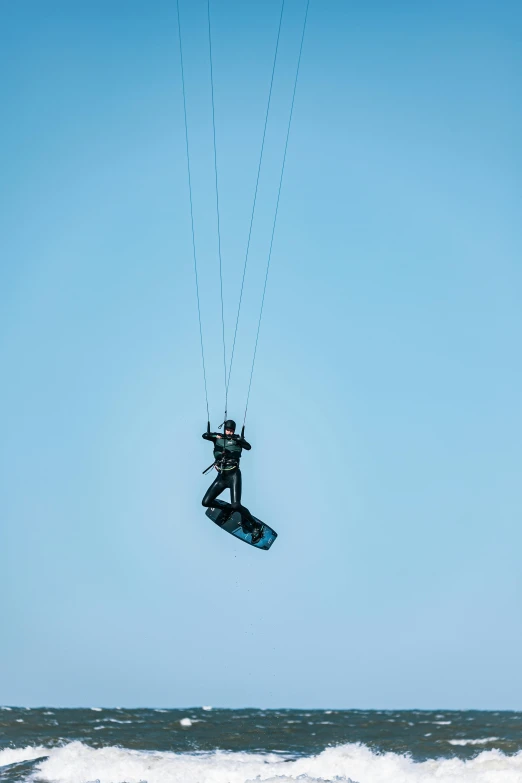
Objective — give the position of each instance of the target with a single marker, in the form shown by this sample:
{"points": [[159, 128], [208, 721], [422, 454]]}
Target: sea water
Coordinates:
{"points": [[206, 745]]}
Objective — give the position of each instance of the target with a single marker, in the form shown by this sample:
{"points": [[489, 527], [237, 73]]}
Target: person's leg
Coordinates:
{"points": [[248, 522], [215, 489], [235, 493]]}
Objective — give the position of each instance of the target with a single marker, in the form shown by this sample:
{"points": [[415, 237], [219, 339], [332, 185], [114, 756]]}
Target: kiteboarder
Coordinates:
{"points": [[227, 453]]}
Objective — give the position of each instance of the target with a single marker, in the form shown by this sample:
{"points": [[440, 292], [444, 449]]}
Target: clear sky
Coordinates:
{"points": [[386, 410]]}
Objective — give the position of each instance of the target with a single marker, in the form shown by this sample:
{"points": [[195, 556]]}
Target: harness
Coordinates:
{"points": [[222, 469]]}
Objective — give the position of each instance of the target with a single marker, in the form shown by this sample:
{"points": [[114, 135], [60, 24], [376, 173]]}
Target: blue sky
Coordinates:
{"points": [[385, 414]]}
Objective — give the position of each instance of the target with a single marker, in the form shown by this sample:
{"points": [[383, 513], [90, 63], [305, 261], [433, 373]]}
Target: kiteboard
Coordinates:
{"points": [[218, 513]]}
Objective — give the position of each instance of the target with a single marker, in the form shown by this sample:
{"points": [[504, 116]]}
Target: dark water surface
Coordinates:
{"points": [[298, 732]]}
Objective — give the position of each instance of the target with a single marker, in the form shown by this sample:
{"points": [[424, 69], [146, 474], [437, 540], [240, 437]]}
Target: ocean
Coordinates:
{"points": [[207, 745]]}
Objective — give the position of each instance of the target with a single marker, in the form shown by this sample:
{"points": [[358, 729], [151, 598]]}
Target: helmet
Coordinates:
{"points": [[230, 425]]}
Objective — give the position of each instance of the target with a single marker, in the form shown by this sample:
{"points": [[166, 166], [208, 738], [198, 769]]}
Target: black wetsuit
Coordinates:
{"points": [[227, 453]]}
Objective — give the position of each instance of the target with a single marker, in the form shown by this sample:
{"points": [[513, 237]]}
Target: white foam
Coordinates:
{"points": [[186, 722], [473, 741], [16, 755], [78, 763], [206, 708], [96, 709]]}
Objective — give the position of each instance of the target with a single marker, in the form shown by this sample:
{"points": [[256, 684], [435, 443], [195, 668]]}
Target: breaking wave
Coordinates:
{"points": [[79, 763]]}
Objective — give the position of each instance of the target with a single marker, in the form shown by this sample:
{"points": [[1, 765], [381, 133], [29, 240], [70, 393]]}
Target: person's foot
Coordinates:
{"points": [[257, 533]]}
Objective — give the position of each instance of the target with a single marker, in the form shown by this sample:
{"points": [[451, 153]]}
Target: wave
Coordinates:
{"points": [[353, 763], [485, 741]]}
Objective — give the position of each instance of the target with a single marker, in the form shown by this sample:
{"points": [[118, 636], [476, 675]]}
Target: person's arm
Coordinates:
{"points": [[209, 435], [242, 442]]}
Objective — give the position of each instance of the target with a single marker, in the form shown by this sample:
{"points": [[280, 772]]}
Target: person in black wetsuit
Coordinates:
{"points": [[227, 453]]}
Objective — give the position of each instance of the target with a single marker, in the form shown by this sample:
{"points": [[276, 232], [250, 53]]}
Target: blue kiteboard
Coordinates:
{"points": [[233, 525]]}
